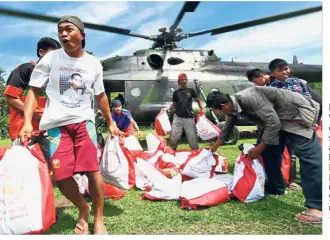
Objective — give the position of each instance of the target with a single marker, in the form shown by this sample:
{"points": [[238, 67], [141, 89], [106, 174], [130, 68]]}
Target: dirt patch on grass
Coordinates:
{"points": [[63, 202]]}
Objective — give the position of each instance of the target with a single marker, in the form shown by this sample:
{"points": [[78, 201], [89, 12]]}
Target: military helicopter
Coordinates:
{"points": [[148, 78]]}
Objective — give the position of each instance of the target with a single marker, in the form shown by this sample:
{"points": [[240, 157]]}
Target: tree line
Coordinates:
{"points": [[4, 109]]}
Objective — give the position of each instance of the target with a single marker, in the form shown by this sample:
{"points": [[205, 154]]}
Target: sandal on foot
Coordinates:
{"points": [[310, 215], [294, 187], [82, 228]]}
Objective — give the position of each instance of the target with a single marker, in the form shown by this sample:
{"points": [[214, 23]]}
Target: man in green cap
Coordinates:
{"points": [[69, 118]]}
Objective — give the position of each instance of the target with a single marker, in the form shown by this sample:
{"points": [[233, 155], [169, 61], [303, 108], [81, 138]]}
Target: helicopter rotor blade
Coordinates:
{"points": [[45, 18], [256, 22], [187, 7]]}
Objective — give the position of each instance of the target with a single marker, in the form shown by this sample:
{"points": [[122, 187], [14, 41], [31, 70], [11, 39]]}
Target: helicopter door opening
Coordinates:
{"points": [[115, 90]]}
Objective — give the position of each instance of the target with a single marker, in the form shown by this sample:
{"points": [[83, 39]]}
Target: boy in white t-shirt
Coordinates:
{"points": [[72, 78]]}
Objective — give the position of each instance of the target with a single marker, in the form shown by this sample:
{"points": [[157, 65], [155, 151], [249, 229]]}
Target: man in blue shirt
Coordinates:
{"points": [[124, 120]]}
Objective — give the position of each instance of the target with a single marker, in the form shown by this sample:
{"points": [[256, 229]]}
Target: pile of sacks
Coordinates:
{"points": [[184, 175]]}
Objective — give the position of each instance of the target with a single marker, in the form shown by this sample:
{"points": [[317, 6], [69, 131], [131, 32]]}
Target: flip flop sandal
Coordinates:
{"points": [[82, 228], [309, 215], [294, 187]]}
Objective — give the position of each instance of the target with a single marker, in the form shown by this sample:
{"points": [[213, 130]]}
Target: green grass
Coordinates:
{"points": [[5, 142], [131, 215]]}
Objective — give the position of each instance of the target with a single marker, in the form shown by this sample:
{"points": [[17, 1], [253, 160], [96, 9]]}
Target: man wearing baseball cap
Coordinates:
{"points": [[183, 118], [124, 120], [70, 120]]}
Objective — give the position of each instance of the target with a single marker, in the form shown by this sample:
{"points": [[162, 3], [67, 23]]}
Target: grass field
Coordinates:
{"points": [[131, 215]]}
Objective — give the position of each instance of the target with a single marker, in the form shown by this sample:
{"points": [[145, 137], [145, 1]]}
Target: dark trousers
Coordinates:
{"points": [[309, 152], [272, 159]]}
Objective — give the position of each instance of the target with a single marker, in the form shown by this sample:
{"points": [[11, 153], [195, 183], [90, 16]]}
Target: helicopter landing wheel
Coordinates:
{"points": [[234, 136]]}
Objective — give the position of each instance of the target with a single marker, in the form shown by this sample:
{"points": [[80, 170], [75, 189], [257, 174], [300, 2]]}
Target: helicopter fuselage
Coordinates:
{"points": [[149, 77]]}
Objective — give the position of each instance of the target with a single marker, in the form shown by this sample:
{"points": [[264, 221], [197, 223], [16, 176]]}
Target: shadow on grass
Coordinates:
{"points": [[67, 218]]}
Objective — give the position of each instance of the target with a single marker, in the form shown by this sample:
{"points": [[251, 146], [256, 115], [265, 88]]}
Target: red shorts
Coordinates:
{"points": [[73, 148]]}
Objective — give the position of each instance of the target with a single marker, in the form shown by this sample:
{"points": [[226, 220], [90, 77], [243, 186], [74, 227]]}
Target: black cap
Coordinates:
{"points": [[77, 22], [116, 103]]}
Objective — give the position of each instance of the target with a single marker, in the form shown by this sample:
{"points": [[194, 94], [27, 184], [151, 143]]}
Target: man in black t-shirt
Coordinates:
{"points": [[183, 115], [16, 91]]}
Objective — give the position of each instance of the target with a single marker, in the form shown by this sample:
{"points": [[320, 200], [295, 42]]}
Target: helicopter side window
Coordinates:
{"points": [[170, 92]]}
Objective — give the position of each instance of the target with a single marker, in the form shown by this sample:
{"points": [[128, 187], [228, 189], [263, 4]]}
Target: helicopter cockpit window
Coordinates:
{"points": [[174, 60], [155, 61], [136, 92], [170, 92]]}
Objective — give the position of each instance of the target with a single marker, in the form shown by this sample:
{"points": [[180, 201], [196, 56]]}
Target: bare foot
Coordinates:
{"points": [[82, 223], [310, 216], [99, 228]]}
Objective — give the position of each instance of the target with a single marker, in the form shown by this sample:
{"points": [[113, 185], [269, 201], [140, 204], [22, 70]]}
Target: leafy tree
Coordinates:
{"points": [[4, 110]]}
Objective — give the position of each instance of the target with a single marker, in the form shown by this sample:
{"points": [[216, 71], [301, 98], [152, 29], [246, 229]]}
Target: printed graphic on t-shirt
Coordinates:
{"points": [[72, 87]]}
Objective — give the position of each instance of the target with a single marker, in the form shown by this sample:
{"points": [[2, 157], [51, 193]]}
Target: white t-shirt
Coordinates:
{"points": [[71, 84]]}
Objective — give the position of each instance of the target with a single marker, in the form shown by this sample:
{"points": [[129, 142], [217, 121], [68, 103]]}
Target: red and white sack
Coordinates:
{"points": [[249, 177], [154, 158], [286, 165], [82, 182], [155, 142], [200, 163], [206, 129], [159, 187], [318, 130], [222, 167], [113, 192], [182, 156], [117, 164], [166, 160], [132, 144], [27, 204], [224, 178], [203, 192], [162, 123]]}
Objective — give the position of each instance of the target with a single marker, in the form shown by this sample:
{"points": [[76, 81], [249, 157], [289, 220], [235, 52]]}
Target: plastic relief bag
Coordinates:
{"points": [[206, 129], [27, 204], [117, 164], [248, 178], [162, 123]]}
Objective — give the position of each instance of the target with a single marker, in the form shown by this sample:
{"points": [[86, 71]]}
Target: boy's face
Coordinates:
{"points": [[226, 109], [260, 81], [70, 36], [281, 73], [118, 109]]}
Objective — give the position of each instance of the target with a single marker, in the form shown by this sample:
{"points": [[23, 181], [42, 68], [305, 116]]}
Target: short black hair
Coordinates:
{"points": [[46, 43], [252, 73], [75, 74], [277, 63], [215, 99]]}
